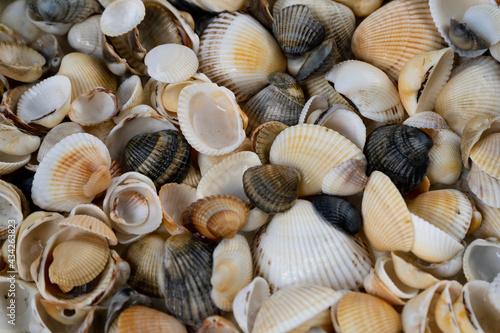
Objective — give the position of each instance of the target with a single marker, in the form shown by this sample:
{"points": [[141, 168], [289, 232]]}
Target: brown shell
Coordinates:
{"points": [[92, 225], [139, 318], [262, 138]]}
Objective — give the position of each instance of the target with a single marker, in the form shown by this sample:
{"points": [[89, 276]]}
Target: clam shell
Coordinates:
{"points": [[233, 34], [385, 271], [10, 163], [481, 260], [210, 118], [346, 179], [232, 271], [216, 216], [313, 104], [248, 301], [382, 203], [63, 11], [263, 137], [484, 186], [486, 155], [490, 225], [175, 198], [86, 37], [476, 128], [61, 314], [445, 162], [14, 16], [285, 254], [92, 211], [11, 206], [74, 171], [271, 188], [129, 94], [374, 286], [55, 28], [205, 162], [458, 103], [92, 225], [55, 135], [428, 121], [20, 62], [318, 85], [94, 107], [16, 142], [121, 16], [338, 212], [362, 8], [185, 278], [289, 308], [136, 318], [171, 63], [193, 177], [293, 147], [382, 31], [421, 79], [123, 299], [409, 273]]}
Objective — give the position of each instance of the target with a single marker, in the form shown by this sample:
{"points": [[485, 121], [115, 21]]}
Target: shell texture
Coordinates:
{"points": [[263, 137], [138, 317], [338, 212], [20, 62], [62, 10]]}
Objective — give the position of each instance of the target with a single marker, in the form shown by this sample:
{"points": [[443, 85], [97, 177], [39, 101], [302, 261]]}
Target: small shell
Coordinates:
{"points": [[318, 85], [338, 212], [171, 63], [428, 121], [175, 198], [484, 186], [481, 260], [86, 37], [271, 188], [362, 8], [346, 179], [94, 107], [15, 142], [217, 324], [92, 211], [55, 28], [248, 302], [91, 225], [21, 298], [216, 216], [263, 137], [137, 318], [20, 62], [205, 162], [313, 104], [121, 16], [494, 292]]}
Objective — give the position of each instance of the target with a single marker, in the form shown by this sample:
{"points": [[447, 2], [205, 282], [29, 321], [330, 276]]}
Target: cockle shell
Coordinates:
{"points": [[121, 16], [478, 127], [92, 211], [14, 141], [20, 62], [175, 198], [409, 273], [314, 103], [92, 225], [11, 205], [263, 137], [445, 161], [74, 171], [63, 11], [485, 154], [86, 37], [138, 317], [55, 135], [484, 186], [338, 212], [248, 301], [318, 85], [494, 292], [129, 94], [481, 260], [362, 8], [14, 16], [346, 179], [121, 300], [171, 63], [490, 225], [205, 162], [95, 107]]}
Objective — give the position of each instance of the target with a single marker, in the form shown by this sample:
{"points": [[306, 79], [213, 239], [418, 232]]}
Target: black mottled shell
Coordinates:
{"points": [[163, 156], [338, 212], [271, 188], [320, 60], [296, 31], [64, 11], [185, 281], [400, 152], [465, 38]]}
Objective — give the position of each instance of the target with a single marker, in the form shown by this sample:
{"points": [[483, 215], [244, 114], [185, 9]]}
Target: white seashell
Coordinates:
{"points": [[256, 219], [54, 28], [171, 63], [369, 89], [90, 210], [427, 120], [174, 199], [486, 154], [315, 103], [495, 51], [494, 293], [121, 16], [286, 252], [93, 108], [248, 302], [14, 16], [318, 85], [346, 179], [445, 269], [484, 186], [46, 103], [482, 260], [484, 20], [129, 94], [55, 135], [384, 268], [445, 158], [410, 274], [10, 206], [17, 143], [205, 162], [211, 119], [11, 163], [86, 37]]}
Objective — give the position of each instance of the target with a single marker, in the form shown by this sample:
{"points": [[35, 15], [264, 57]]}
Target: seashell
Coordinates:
{"points": [[382, 31], [48, 46], [214, 324], [145, 259], [291, 307], [362, 8], [129, 94], [232, 271], [61, 314], [163, 156], [314, 103], [431, 243], [485, 187], [318, 61], [485, 155], [219, 126], [123, 299], [495, 51], [346, 179], [244, 76], [174, 199], [16, 142], [381, 203], [63, 11], [20, 62], [338, 212], [86, 73], [138, 317], [117, 63], [401, 152], [205, 162], [385, 271], [458, 103], [248, 301], [263, 137], [14, 16], [293, 147], [465, 38], [490, 226], [281, 101], [476, 128], [421, 79], [215, 216], [121, 16], [11, 163], [494, 292], [445, 269], [132, 205], [91, 225], [445, 163], [428, 121], [77, 166], [21, 298], [481, 260], [92, 211], [185, 278], [271, 188], [193, 177], [217, 6], [163, 68], [55, 28], [286, 255], [13, 206], [379, 100], [86, 37], [296, 30], [318, 85], [377, 314], [93, 108], [411, 275]]}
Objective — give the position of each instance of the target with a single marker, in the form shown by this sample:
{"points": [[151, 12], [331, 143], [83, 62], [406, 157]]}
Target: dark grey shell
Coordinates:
{"points": [[63, 11], [465, 38], [320, 60], [296, 31], [338, 212], [271, 188], [163, 156], [282, 100], [185, 279], [401, 152], [122, 300], [48, 46], [158, 27]]}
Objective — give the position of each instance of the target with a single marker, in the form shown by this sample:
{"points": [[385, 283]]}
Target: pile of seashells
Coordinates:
{"points": [[250, 166]]}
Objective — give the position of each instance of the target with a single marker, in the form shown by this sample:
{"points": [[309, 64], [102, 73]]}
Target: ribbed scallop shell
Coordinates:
{"points": [[55, 135], [91, 225], [369, 89], [238, 53], [289, 308], [421, 79], [486, 155], [313, 150], [185, 278], [129, 94], [470, 92], [20, 62], [338, 212], [314, 103], [171, 63], [140, 318], [482, 260], [445, 161], [232, 271], [378, 315], [427, 120], [92, 211], [63, 10], [484, 186], [86, 37], [73, 172], [289, 251], [145, 260], [263, 137], [394, 34], [205, 162], [175, 198], [271, 188], [216, 216], [121, 16], [386, 219], [490, 225], [478, 127]]}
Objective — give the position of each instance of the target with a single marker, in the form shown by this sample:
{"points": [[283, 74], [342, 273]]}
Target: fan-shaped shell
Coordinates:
{"points": [[92, 225], [95, 107], [486, 154], [121, 16], [248, 302], [86, 37], [490, 225], [171, 63], [263, 137], [55, 135], [484, 186], [478, 127], [175, 198], [63, 10], [20, 62], [16, 142], [445, 160], [346, 179], [138, 317], [407, 271]]}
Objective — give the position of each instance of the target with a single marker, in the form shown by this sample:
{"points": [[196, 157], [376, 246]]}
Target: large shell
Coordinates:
{"points": [[64, 11], [286, 255], [338, 212], [74, 171], [395, 33], [401, 152], [55, 135], [481, 260], [185, 278], [20, 62], [304, 148], [238, 53], [369, 90]]}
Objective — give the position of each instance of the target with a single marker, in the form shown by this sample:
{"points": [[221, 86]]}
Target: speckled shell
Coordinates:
{"points": [[185, 278], [401, 152], [338, 212], [271, 188]]}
